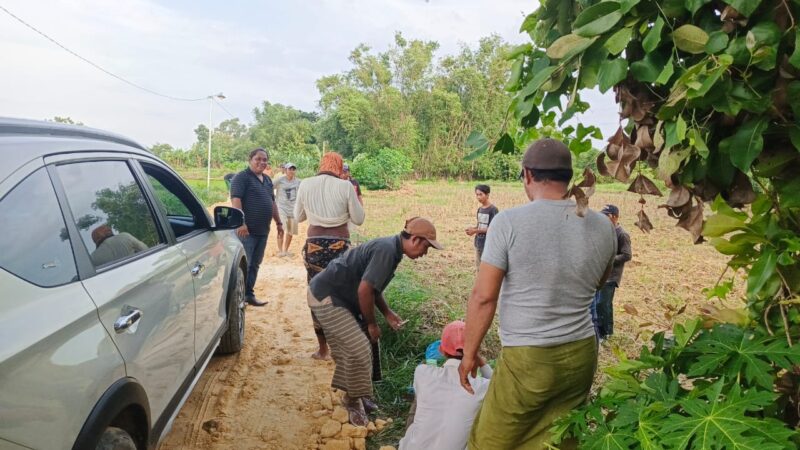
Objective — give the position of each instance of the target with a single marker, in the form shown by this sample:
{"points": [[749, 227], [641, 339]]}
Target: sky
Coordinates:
{"points": [[248, 50]]}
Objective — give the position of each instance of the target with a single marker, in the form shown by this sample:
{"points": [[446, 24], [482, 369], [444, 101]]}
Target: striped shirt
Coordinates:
{"points": [[257, 198]]}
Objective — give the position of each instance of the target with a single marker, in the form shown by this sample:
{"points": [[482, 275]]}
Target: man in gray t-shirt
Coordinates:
{"points": [[542, 264], [286, 196]]}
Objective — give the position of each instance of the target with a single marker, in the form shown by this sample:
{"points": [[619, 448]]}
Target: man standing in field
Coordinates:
{"points": [[251, 191], [347, 176], [352, 286], [603, 305], [484, 215], [286, 196], [544, 263]]}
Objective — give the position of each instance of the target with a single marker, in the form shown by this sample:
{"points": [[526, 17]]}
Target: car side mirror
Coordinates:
{"points": [[227, 218]]}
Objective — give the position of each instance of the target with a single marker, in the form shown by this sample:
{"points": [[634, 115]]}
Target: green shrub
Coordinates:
{"points": [[385, 169], [497, 166]]}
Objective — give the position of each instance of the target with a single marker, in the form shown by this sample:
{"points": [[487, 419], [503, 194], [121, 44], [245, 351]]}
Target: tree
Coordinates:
{"points": [[710, 92]]}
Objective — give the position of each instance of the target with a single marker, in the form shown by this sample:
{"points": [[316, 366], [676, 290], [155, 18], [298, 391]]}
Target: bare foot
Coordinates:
{"points": [[320, 356]]}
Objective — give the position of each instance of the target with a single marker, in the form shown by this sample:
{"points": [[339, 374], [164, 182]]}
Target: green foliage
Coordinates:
{"points": [[701, 389], [385, 169], [708, 94]]}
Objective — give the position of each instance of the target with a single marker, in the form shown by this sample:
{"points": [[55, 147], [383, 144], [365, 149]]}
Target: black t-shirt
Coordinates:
{"points": [[484, 216], [374, 262], [257, 198]]}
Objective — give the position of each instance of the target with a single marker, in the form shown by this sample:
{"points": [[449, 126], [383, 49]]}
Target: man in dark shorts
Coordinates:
{"points": [[603, 305], [484, 216], [351, 287], [252, 192]]}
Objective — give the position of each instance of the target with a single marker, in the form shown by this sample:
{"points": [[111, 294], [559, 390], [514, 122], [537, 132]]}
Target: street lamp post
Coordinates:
{"points": [[210, 131]]}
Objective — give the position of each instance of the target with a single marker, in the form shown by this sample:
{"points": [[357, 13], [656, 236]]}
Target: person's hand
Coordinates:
{"points": [[280, 228], [242, 231], [374, 332], [394, 321], [471, 231], [467, 367]]}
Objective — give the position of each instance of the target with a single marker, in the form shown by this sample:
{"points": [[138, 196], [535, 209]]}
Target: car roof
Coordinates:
{"points": [[22, 140]]}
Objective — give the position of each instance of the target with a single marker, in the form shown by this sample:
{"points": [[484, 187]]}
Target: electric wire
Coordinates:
{"points": [[96, 66]]}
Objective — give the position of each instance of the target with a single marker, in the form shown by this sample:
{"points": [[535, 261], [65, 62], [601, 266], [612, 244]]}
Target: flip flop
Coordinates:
{"points": [[358, 417]]}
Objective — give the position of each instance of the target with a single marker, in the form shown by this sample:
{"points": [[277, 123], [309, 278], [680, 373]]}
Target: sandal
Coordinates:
{"points": [[369, 405], [355, 409]]}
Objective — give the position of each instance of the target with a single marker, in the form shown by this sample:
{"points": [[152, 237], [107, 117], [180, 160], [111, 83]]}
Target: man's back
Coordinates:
{"points": [[445, 411], [554, 262]]}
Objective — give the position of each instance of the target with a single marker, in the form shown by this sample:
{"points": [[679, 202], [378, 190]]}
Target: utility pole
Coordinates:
{"points": [[210, 132]]}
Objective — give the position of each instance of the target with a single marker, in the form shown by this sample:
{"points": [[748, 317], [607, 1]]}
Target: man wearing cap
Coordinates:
{"points": [[347, 176], [286, 197], [603, 304], [542, 264], [349, 289], [444, 412]]}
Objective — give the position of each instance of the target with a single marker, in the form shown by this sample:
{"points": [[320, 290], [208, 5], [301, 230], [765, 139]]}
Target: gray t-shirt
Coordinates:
{"points": [[554, 262], [286, 195]]}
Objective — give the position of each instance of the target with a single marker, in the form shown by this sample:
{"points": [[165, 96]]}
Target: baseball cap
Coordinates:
{"points": [[547, 154], [346, 167], [610, 209], [421, 227], [289, 165], [453, 338]]}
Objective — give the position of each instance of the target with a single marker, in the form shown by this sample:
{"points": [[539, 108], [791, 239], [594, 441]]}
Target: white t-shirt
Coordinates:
{"points": [[445, 411]]}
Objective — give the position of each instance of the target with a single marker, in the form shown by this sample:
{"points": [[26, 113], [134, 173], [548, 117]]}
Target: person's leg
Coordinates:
{"points": [[259, 245], [595, 319], [352, 354], [532, 386], [249, 244], [311, 253], [288, 238]]}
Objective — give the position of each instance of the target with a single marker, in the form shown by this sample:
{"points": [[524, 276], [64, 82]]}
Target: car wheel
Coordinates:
{"points": [[114, 438], [233, 339]]}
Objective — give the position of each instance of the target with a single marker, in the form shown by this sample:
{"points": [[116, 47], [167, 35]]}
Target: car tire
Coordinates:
{"points": [[114, 438], [233, 339]]}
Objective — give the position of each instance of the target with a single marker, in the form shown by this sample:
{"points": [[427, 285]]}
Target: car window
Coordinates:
{"points": [[184, 213], [36, 246], [109, 210]]}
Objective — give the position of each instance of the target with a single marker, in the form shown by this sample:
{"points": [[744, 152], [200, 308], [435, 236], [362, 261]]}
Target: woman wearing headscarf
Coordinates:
{"points": [[329, 203]]}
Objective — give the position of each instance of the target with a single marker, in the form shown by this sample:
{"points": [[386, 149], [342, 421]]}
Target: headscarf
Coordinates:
{"points": [[331, 163]]}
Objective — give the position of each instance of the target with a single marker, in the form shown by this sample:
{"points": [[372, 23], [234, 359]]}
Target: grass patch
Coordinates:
{"points": [[218, 192]]}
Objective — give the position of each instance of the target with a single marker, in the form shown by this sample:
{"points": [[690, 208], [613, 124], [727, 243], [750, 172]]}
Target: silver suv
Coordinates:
{"points": [[116, 287]]}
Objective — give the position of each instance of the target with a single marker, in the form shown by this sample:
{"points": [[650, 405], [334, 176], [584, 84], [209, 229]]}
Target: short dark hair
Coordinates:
{"points": [[483, 188], [560, 175], [255, 151], [405, 235]]}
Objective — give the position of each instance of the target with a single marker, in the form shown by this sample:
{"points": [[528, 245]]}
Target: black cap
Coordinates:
{"points": [[610, 209]]}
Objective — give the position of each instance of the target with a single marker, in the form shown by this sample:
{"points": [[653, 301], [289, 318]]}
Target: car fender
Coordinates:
{"points": [[125, 393]]}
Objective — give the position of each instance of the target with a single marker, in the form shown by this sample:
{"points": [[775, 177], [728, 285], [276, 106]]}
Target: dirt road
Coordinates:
{"points": [[271, 395]]}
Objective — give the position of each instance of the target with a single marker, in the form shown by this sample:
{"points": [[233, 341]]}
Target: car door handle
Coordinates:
{"points": [[128, 322], [197, 269]]}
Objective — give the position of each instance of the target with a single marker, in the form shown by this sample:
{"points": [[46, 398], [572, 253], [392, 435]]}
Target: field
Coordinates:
{"points": [[666, 276]]}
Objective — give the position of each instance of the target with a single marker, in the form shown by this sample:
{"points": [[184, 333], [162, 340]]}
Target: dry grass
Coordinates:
{"points": [[666, 273]]}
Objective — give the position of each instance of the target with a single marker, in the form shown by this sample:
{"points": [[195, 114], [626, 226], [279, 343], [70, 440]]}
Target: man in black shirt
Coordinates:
{"points": [[252, 192], [603, 304], [351, 286]]}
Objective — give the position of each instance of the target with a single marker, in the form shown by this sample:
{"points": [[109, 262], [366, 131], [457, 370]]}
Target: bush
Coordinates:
{"points": [[385, 169], [497, 166]]}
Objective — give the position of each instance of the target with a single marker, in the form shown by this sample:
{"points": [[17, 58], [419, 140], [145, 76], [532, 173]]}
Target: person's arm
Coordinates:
{"points": [[354, 207], [366, 303], [480, 313], [392, 318], [242, 231], [277, 218], [624, 253], [299, 207]]}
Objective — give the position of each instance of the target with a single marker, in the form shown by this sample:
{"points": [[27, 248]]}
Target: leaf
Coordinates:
{"points": [[581, 200], [537, 81], [513, 79], [795, 58], [690, 39], [744, 7], [597, 19], [666, 72], [692, 221], [724, 221], [643, 185], [746, 144], [717, 42], [694, 5], [505, 145], [530, 120], [653, 38], [619, 40], [518, 50], [649, 68], [643, 222], [612, 71], [669, 161], [478, 142], [763, 269], [678, 196], [568, 45]]}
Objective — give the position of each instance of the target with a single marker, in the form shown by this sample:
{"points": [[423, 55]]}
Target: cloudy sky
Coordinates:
{"points": [[249, 50]]}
